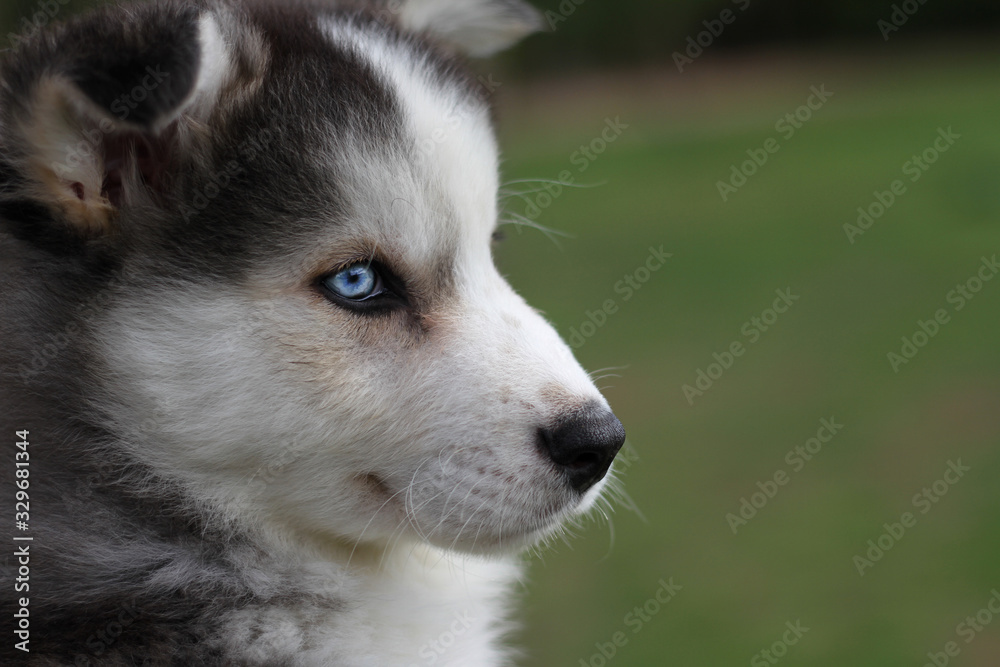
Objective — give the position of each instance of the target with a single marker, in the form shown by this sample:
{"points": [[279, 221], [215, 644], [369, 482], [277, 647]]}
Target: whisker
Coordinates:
{"points": [[520, 221], [592, 374], [550, 181]]}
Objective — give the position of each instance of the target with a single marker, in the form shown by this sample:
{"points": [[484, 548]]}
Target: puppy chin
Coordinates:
{"points": [[509, 540]]}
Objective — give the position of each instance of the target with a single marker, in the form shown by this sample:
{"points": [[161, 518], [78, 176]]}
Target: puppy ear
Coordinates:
{"points": [[90, 114], [477, 28]]}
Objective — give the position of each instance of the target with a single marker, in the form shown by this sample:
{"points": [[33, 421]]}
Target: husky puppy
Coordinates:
{"points": [[275, 404]]}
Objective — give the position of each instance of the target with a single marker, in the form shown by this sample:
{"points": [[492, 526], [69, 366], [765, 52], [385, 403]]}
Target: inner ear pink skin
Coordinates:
{"points": [[150, 156]]}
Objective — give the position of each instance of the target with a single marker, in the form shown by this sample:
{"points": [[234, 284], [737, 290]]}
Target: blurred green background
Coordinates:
{"points": [[827, 357], [601, 99]]}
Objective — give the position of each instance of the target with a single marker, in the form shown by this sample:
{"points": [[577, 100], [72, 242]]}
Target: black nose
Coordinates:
{"points": [[584, 445]]}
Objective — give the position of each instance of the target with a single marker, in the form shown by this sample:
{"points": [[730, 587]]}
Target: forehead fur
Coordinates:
{"points": [[355, 131]]}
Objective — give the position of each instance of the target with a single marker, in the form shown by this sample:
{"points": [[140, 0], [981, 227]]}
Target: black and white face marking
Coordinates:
{"points": [[312, 283]]}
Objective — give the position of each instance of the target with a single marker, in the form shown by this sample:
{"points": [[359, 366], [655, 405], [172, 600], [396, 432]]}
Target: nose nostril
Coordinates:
{"points": [[584, 461], [584, 445]]}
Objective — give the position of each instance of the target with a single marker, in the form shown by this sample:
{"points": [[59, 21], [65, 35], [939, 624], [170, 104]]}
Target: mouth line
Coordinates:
{"points": [[518, 540], [376, 484], [536, 523], [546, 519]]}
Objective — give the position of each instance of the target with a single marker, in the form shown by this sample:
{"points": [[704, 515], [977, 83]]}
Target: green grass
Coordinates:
{"points": [[825, 357]]}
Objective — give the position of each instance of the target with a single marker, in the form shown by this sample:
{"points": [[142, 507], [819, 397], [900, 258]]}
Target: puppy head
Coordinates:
{"points": [[301, 207]]}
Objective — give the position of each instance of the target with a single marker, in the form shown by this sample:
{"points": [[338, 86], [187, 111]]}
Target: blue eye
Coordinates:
{"points": [[355, 283]]}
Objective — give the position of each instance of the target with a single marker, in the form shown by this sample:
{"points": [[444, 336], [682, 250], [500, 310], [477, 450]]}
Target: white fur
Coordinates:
{"points": [[400, 475], [215, 71]]}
